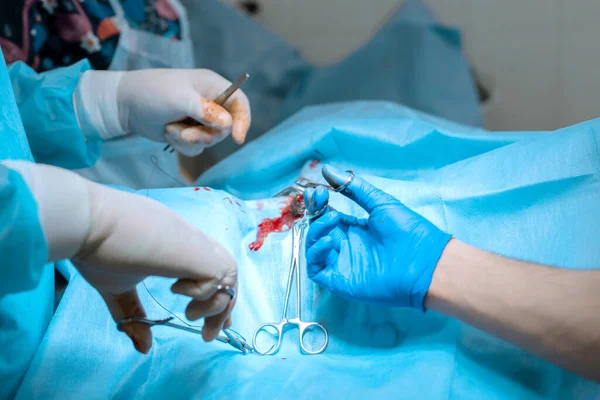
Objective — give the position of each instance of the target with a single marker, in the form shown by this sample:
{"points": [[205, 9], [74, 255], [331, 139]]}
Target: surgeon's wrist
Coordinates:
{"points": [[63, 202], [448, 277], [427, 258], [96, 105]]}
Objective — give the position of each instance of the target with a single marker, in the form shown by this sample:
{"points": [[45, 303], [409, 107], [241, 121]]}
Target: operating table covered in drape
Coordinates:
{"points": [[528, 195]]}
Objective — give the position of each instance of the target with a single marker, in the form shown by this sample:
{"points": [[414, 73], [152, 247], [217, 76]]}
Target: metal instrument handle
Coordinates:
{"points": [[304, 327], [278, 327]]}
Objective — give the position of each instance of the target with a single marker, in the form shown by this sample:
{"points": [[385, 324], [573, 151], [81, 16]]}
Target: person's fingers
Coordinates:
{"points": [[209, 113], [315, 199], [184, 148], [195, 134], [228, 323], [127, 305], [308, 198], [199, 290], [214, 324], [207, 308], [240, 113], [316, 256], [203, 134], [321, 227], [338, 236], [348, 220], [328, 276], [363, 193]]}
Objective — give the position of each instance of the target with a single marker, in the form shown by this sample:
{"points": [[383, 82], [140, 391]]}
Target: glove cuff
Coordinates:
{"points": [[429, 261], [61, 196], [96, 106]]}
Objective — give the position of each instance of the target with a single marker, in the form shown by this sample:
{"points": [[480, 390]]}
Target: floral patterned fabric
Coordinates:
{"points": [[47, 34]]}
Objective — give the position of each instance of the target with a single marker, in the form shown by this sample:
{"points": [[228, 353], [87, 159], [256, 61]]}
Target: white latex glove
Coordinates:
{"points": [[116, 239], [110, 104]]}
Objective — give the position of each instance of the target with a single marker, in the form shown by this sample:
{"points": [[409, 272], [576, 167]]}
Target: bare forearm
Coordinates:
{"points": [[551, 312]]}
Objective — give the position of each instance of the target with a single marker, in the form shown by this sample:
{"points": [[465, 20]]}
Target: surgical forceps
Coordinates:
{"points": [[222, 98], [307, 183], [303, 327], [303, 183], [231, 338]]}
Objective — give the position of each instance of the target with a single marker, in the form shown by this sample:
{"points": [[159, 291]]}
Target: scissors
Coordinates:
{"points": [[303, 327], [231, 338], [222, 98]]}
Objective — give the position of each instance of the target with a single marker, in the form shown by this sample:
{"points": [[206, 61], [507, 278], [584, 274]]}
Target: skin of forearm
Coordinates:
{"points": [[551, 312]]}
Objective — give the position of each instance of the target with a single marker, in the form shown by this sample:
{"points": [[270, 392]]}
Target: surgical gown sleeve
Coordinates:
{"points": [[45, 102], [23, 248], [26, 281]]}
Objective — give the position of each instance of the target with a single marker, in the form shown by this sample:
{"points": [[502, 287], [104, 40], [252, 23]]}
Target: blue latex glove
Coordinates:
{"points": [[386, 259]]}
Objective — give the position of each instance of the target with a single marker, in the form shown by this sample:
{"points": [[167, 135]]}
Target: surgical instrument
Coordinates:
{"points": [[303, 327], [227, 289], [223, 97], [304, 183], [231, 338]]}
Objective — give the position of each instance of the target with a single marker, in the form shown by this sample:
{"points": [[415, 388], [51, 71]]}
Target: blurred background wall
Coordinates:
{"points": [[541, 58]]}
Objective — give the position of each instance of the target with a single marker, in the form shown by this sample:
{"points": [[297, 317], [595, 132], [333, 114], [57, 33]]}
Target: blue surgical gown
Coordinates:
{"points": [[45, 103], [37, 123]]}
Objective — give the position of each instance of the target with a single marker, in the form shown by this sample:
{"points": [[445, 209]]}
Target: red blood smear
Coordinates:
{"points": [[207, 189], [277, 224], [238, 203], [196, 189], [260, 204], [314, 163], [228, 199]]}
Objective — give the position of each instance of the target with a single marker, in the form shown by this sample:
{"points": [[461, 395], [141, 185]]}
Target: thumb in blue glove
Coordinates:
{"points": [[386, 259]]}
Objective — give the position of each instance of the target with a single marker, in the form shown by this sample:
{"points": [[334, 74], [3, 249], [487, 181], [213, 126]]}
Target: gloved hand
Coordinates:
{"points": [[116, 239], [110, 104], [386, 259]]}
